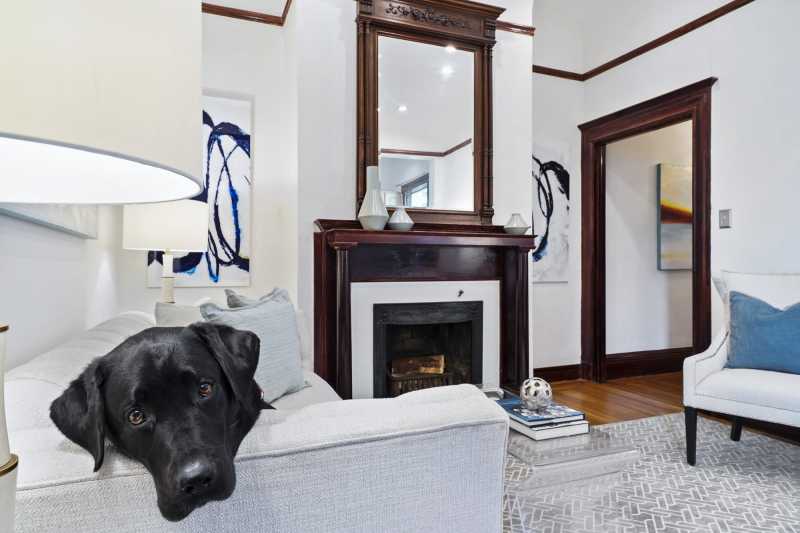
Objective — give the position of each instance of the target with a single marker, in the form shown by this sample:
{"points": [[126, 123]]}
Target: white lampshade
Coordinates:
{"points": [[100, 101], [180, 226]]}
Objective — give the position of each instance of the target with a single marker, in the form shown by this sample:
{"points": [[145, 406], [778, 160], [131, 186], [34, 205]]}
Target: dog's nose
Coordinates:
{"points": [[195, 478]]}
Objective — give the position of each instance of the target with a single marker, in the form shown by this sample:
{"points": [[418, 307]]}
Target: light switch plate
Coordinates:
{"points": [[724, 218]]}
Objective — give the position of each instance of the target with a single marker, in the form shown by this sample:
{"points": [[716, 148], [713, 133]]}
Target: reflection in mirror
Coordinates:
{"points": [[425, 125]]}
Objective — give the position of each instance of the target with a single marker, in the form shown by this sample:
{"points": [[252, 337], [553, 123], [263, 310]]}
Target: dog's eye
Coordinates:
{"points": [[206, 389], [136, 417]]}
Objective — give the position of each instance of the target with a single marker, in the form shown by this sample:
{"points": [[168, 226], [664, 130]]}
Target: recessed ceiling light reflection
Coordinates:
{"points": [[402, 108]]}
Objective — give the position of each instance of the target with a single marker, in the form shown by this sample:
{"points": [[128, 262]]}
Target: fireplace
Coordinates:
{"points": [[434, 259], [409, 333]]}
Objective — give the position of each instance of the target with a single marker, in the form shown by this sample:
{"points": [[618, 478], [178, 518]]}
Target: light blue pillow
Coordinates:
{"points": [[279, 370], [763, 337]]}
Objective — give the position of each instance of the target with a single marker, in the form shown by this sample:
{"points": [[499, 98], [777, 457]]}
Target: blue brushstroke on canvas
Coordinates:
{"points": [[221, 251], [545, 199]]}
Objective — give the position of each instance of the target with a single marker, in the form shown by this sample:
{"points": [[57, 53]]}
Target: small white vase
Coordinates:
{"points": [[373, 214], [400, 220], [516, 225]]}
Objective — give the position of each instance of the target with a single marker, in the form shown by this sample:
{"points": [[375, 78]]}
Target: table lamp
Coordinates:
{"points": [[100, 105], [167, 227]]}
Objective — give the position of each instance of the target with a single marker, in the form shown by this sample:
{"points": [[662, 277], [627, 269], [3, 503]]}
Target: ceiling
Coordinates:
{"points": [[268, 7]]}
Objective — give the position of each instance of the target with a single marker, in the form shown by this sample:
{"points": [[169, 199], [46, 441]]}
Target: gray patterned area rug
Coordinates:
{"points": [[750, 486]]}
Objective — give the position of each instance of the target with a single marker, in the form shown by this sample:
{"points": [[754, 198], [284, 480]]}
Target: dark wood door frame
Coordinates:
{"points": [[692, 102]]}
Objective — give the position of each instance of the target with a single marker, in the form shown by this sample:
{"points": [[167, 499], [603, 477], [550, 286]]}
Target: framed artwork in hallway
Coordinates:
{"points": [[674, 217]]}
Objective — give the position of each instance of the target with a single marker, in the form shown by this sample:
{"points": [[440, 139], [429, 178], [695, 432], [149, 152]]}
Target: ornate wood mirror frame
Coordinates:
{"points": [[464, 24]]}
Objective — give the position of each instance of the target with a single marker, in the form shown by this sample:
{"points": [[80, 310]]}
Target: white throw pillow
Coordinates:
{"points": [[174, 315]]}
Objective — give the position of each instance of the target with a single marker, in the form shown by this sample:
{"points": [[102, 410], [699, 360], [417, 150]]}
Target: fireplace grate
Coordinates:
{"points": [[400, 384]]}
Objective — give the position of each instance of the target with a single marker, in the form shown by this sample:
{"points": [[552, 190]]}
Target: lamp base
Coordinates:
{"points": [[8, 492], [8, 461], [168, 279]]}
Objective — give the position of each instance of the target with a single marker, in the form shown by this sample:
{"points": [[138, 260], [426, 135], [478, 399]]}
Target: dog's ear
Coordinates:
{"points": [[80, 412], [235, 350]]}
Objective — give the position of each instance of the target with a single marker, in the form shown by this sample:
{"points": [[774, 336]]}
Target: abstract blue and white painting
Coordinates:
{"points": [[227, 126], [550, 218]]}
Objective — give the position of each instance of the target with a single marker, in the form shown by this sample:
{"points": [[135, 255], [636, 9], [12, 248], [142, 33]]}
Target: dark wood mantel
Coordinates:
{"points": [[345, 253]]}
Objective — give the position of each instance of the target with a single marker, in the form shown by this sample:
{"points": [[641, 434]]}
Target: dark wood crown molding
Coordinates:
{"points": [[422, 153], [515, 28], [648, 46], [558, 73], [244, 14]]}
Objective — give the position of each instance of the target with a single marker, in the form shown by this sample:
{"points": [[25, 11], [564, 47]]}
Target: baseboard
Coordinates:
{"points": [[558, 373], [623, 365]]}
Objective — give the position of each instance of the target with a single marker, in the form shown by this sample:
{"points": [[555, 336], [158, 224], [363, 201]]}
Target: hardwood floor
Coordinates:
{"points": [[623, 399]]}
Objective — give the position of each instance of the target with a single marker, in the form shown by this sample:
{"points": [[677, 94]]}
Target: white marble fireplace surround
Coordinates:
{"points": [[363, 296]]}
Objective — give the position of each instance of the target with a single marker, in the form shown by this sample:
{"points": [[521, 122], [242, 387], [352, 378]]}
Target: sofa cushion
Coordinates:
{"points": [[317, 391], [777, 390], [279, 368], [762, 336]]}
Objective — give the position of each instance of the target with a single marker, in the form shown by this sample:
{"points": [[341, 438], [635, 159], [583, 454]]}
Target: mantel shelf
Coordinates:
{"points": [[342, 233]]}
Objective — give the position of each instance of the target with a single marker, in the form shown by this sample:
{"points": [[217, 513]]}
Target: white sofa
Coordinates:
{"points": [[427, 461], [740, 392]]}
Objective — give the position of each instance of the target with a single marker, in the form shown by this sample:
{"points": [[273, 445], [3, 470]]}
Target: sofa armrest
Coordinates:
{"points": [[431, 460], [700, 366]]}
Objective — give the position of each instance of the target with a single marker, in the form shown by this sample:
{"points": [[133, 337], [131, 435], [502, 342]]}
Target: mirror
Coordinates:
{"points": [[426, 125], [424, 107]]}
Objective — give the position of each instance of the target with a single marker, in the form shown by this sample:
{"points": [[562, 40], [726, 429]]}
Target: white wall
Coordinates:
{"points": [[54, 285], [646, 308], [453, 180], [754, 159], [245, 59], [557, 110]]}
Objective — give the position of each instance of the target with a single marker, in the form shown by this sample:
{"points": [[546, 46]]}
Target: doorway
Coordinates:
{"points": [[690, 107]]}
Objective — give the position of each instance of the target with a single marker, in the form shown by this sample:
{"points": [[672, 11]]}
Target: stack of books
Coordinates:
{"points": [[549, 423]]}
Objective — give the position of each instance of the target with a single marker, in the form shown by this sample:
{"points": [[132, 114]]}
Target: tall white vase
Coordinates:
{"points": [[8, 462], [373, 214]]}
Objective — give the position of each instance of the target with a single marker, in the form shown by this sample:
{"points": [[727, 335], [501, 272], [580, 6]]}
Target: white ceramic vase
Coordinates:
{"points": [[400, 220], [373, 214], [516, 225], [8, 462]]}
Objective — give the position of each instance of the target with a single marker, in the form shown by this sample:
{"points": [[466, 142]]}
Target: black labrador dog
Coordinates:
{"points": [[178, 400]]}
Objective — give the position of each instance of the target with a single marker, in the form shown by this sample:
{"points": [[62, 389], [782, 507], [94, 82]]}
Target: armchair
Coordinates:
{"points": [[742, 393]]}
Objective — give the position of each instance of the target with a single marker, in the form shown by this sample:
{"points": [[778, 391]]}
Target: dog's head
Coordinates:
{"points": [[179, 400]]}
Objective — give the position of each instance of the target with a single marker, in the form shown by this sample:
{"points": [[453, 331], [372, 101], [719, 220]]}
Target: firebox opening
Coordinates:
{"points": [[418, 346]]}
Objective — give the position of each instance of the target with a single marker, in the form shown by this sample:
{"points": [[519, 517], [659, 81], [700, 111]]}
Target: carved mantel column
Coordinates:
{"points": [[344, 356]]}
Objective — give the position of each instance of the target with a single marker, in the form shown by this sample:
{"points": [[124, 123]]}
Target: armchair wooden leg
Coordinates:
{"points": [[691, 434], [736, 429]]}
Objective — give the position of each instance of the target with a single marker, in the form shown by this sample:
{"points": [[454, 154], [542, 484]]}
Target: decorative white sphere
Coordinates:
{"points": [[536, 393]]}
